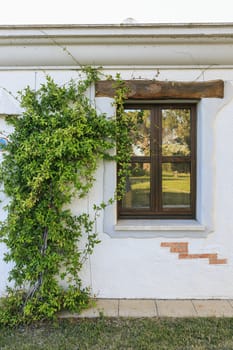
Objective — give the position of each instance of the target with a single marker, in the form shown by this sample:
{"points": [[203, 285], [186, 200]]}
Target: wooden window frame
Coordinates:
{"points": [[156, 159]]}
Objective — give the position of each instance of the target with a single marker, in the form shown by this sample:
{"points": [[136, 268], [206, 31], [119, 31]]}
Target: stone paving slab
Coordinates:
{"points": [[175, 308], [213, 308], [103, 307], [137, 308], [155, 308]]}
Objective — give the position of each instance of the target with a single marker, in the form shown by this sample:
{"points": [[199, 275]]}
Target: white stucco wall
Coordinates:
{"points": [[130, 263]]}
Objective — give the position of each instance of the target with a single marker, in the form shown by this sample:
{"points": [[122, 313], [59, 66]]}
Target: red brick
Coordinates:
{"points": [[179, 249], [176, 247], [184, 256], [182, 249], [217, 261], [165, 244]]}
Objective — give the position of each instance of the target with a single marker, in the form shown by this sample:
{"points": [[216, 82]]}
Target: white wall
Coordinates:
{"points": [[132, 264], [129, 265]]}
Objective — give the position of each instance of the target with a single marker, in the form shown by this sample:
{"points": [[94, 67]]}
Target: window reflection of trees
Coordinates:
{"points": [[141, 133], [176, 132]]}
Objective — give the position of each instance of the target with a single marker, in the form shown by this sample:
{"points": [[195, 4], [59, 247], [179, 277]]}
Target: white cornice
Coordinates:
{"points": [[119, 45], [115, 32]]}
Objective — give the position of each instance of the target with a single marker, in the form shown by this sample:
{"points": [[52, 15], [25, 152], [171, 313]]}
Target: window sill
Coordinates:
{"points": [[159, 225], [156, 228]]}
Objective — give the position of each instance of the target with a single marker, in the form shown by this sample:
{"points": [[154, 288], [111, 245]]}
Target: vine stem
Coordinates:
{"points": [[38, 283]]}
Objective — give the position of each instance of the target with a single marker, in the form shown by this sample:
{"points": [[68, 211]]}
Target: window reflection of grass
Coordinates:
{"points": [[173, 182], [176, 189], [142, 183]]}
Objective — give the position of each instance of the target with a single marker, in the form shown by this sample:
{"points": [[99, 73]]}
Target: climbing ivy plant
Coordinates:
{"points": [[51, 157]]}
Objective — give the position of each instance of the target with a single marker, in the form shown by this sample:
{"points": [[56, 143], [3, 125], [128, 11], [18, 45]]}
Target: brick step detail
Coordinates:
{"points": [[182, 249]]}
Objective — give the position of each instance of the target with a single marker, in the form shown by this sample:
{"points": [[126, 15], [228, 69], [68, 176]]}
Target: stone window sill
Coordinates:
{"points": [[155, 228], [159, 225]]}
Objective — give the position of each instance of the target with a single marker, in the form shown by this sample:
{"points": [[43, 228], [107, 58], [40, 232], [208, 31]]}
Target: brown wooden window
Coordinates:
{"points": [[162, 183]]}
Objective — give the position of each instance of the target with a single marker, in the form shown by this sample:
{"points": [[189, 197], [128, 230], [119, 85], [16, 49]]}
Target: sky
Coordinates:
{"points": [[114, 11]]}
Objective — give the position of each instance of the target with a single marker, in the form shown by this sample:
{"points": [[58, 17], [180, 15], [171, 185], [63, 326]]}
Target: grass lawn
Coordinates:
{"points": [[123, 334]]}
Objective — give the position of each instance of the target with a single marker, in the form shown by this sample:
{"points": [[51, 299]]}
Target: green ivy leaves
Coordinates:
{"points": [[52, 156]]}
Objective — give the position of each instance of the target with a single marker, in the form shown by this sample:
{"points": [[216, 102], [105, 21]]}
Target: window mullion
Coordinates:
{"points": [[159, 159], [155, 156]]}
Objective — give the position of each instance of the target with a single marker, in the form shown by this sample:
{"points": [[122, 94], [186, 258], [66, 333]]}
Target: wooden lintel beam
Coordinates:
{"points": [[153, 89]]}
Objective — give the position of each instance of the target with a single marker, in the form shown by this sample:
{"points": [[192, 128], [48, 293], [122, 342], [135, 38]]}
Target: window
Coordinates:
{"points": [[162, 183]]}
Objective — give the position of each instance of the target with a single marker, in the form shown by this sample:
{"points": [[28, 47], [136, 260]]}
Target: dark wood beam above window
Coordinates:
{"points": [[153, 89]]}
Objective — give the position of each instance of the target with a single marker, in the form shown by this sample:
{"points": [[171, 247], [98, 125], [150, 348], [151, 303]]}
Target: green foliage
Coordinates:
{"points": [[126, 129], [52, 155]]}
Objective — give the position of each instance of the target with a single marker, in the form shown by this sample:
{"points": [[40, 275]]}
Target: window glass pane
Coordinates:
{"points": [[176, 185], [138, 187], [176, 132], [141, 134]]}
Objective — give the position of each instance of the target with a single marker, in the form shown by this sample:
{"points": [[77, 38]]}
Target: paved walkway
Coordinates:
{"points": [[156, 308]]}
